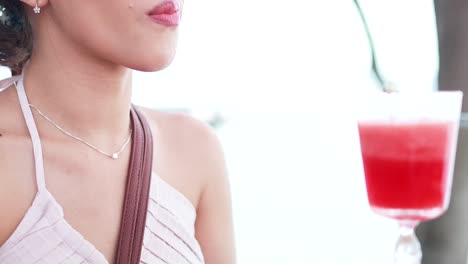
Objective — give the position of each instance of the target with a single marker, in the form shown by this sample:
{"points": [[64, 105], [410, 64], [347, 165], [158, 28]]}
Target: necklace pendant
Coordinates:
{"points": [[115, 156]]}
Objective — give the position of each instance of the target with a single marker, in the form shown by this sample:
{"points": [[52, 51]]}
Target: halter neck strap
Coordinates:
{"points": [[36, 141]]}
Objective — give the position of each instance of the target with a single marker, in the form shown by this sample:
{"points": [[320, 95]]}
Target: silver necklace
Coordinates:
{"points": [[113, 155]]}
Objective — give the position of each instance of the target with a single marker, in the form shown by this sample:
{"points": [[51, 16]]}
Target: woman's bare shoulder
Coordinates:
{"points": [[181, 129], [187, 151], [11, 118]]}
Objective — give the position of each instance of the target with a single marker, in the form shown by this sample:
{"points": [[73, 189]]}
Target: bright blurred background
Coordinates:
{"points": [[285, 75]]}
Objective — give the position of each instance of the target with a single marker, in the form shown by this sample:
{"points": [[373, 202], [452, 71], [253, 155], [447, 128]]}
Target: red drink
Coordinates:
{"points": [[407, 167]]}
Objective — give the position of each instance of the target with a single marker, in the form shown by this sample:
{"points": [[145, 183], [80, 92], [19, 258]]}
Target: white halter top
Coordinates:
{"points": [[44, 236]]}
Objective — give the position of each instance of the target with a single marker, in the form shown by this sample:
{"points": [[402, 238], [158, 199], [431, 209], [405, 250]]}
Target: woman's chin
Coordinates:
{"points": [[154, 65]]}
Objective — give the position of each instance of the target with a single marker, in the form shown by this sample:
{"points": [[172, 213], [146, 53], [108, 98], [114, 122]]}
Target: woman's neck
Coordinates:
{"points": [[92, 101]]}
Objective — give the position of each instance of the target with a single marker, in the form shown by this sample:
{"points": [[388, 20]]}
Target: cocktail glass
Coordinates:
{"points": [[408, 144]]}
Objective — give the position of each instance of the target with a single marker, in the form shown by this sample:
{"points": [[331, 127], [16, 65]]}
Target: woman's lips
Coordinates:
{"points": [[166, 13]]}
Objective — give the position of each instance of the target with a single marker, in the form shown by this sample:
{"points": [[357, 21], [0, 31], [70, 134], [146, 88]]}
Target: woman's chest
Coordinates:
{"points": [[90, 197], [91, 193]]}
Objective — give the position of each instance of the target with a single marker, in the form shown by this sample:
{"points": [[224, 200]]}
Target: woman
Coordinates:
{"points": [[73, 60]]}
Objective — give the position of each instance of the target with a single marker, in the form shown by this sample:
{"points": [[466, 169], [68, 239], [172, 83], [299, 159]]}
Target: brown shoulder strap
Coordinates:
{"points": [[135, 206]]}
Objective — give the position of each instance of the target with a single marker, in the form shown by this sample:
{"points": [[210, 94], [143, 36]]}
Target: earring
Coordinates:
{"points": [[37, 9]]}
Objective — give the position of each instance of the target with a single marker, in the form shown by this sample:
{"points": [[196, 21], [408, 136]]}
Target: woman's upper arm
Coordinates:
{"points": [[214, 225]]}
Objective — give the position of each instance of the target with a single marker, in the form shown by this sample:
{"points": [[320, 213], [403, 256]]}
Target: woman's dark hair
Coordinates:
{"points": [[15, 35]]}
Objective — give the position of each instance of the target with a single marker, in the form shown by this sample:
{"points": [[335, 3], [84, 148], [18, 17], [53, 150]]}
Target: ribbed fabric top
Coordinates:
{"points": [[44, 236]]}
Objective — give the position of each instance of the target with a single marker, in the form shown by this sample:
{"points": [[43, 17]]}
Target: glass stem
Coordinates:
{"points": [[408, 249]]}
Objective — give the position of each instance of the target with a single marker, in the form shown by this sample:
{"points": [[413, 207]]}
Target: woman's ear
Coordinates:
{"points": [[33, 3]]}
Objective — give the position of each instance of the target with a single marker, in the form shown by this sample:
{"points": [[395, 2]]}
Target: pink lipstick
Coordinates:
{"points": [[166, 14]]}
